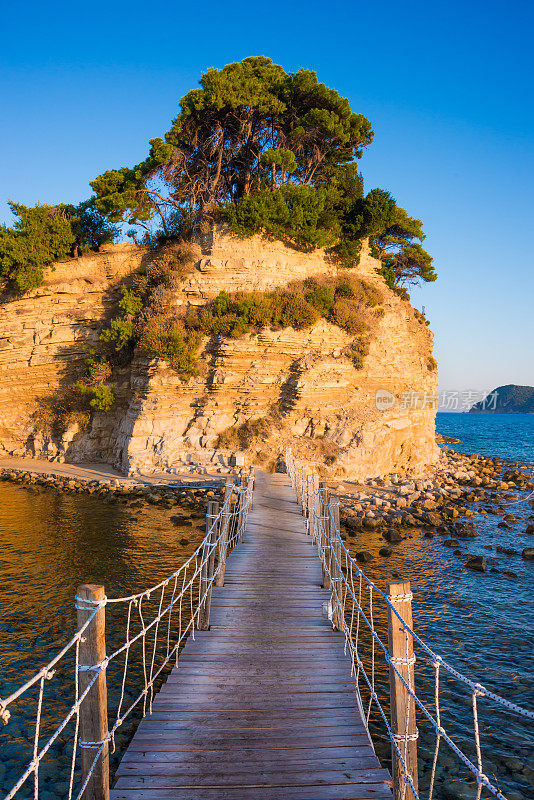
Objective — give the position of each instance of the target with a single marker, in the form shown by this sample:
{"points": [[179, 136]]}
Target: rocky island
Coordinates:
{"points": [[509, 399], [264, 307]]}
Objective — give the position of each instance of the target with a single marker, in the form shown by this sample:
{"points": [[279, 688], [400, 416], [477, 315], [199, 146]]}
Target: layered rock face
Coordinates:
{"points": [[46, 335], [365, 422]]}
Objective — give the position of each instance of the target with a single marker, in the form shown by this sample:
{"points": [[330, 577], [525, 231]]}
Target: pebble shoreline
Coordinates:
{"points": [[194, 495], [440, 501]]}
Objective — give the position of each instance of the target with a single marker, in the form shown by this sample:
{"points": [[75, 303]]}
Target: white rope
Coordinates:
{"points": [[406, 737], [400, 598]]}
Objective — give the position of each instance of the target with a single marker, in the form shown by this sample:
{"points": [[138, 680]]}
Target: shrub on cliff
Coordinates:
{"points": [[243, 436], [236, 314], [120, 334], [93, 390], [100, 398], [301, 215], [38, 236], [346, 301], [42, 234], [167, 338]]}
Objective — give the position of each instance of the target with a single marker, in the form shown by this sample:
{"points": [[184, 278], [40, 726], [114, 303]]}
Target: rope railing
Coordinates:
{"points": [[353, 610], [157, 622]]}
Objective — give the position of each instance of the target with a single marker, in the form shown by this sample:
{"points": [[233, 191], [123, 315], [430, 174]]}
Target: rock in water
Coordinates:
{"points": [[477, 563], [393, 537], [528, 553], [363, 557], [432, 519]]}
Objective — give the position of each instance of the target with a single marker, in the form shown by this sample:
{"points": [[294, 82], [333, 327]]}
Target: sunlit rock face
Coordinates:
{"points": [[359, 422]]}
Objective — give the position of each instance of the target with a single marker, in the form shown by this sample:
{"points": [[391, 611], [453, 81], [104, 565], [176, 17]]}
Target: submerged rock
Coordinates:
{"points": [[477, 563], [508, 551], [180, 519], [393, 537]]}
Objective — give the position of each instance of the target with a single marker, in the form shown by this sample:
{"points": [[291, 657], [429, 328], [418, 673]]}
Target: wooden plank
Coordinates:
{"points": [[257, 779], [244, 745], [198, 762], [311, 753], [378, 791], [254, 719], [305, 685]]}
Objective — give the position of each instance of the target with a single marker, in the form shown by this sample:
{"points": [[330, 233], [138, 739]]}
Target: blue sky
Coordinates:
{"points": [[447, 87]]}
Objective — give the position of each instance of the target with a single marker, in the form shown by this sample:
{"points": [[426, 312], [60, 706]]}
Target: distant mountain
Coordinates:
{"points": [[510, 399]]}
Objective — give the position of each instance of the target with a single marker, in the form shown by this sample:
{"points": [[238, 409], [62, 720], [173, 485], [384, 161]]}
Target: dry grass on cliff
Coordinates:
{"points": [[344, 300], [163, 331], [244, 436], [160, 330]]}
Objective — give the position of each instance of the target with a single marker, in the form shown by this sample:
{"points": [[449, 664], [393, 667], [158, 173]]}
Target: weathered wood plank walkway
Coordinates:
{"points": [[261, 707]]}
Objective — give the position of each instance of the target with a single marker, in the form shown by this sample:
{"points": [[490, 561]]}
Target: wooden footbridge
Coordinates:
{"points": [[262, 706], [265, 699]]}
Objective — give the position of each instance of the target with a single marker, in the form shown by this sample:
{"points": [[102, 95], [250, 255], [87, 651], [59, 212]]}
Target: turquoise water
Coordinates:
{"points": [[509, 436]]}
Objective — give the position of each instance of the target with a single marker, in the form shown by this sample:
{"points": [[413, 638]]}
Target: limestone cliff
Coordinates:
{"points": [[325, 407]]}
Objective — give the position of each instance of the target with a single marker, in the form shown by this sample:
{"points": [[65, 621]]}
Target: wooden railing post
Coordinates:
{"points": [[298, 485], [335, 565], [94, 707], [250, 477], [324, 503], [223, 540], [304, 492], [402, 703], [241, 500], [207, 569], [314, 503], [309, 502]]}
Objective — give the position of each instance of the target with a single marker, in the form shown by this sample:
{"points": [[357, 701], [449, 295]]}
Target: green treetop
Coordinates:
{"points": [[232, 135], [268, 151], [398, 245]]}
